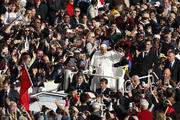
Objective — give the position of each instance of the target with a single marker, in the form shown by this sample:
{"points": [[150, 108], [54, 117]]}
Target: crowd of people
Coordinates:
{"points": [[69, 41]]}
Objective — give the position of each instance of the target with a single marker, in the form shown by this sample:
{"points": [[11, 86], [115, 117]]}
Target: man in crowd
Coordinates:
{"points": [[80, 83], [174, 65], [75, 18], [146, 60], [103, 90], [3, 57], [8, 94]]}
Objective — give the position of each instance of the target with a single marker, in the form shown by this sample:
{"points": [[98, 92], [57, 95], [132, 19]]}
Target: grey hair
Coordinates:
{"points": [[96, 106], [144, 103], [22, 118]]}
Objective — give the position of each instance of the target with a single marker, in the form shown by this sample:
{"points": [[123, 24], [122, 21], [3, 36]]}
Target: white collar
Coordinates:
{"points": [[8, 91], [79, 84], [172, 63], [103, 89], [146, 51]]}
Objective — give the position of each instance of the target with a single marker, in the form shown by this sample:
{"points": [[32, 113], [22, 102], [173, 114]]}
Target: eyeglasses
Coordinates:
{"points": [[26, 30], [77, 11]]}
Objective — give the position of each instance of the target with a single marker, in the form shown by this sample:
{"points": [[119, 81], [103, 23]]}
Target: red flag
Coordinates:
{"points": [[169, 110], [102, 1], [25, 85]]}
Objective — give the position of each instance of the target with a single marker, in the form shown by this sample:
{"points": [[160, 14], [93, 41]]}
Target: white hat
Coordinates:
{"points": [[157, 4], [103, 45], [77, 51], [157, 36]]}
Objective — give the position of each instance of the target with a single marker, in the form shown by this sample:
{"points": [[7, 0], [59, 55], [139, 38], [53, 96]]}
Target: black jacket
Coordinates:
{"points": [[175, 70], [13, 95], [74, 22], [106, 92], [84, 86], [145, 63]]}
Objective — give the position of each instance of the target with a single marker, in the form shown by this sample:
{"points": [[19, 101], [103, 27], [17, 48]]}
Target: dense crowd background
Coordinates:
{"points": [[55, 38]]}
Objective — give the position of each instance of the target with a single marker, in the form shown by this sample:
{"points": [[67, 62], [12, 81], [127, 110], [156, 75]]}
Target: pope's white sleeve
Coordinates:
{"points": [[116, 56], [91, 65]]}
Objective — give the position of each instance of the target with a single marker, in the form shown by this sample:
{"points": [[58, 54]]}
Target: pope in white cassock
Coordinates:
{"points": [[103, 61]]}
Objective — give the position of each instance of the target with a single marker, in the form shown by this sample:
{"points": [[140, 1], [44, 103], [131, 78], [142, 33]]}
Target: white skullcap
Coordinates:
{"points": [[157, 36], [103, 45]]}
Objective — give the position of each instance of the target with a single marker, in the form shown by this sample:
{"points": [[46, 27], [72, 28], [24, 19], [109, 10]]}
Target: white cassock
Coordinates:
{"points": [[103, 65]]}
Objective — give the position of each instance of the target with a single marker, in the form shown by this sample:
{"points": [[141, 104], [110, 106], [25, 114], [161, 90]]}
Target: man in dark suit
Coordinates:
{"points": [[103, 90], [53, 7], [174, 65], [8, 94], [146, 60], [80, 84], [75, 19]]}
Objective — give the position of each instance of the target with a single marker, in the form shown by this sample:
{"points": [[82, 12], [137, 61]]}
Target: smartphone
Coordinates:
{"points": [[131, 105], [143, 90], [107, 42], [153, 86], [69, 30]]}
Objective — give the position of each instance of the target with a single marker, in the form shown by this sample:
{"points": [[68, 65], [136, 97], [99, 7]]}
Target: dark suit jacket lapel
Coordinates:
{"points": [[10, 94]]}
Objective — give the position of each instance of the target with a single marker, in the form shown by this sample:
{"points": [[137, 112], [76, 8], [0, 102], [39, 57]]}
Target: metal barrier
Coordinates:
{"points": [[119, 79], [143, 77]]}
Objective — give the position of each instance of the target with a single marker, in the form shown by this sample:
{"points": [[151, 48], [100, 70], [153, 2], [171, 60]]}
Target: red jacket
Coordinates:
{"points": [[69, 9], [145, 115]]}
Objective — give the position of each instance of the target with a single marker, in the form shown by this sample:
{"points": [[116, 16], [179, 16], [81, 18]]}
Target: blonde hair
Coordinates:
{"points": [[90, 36], [11, 6], [160, 115]]}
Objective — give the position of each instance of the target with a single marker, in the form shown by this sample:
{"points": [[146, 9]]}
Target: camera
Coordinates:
{"points": [[112, 94], [24, 113], [103, 107], [68, 52], [41, 113], [79, 91]]}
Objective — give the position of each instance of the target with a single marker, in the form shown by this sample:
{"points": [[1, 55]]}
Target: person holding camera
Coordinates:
{"points": [[144, 113]]}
